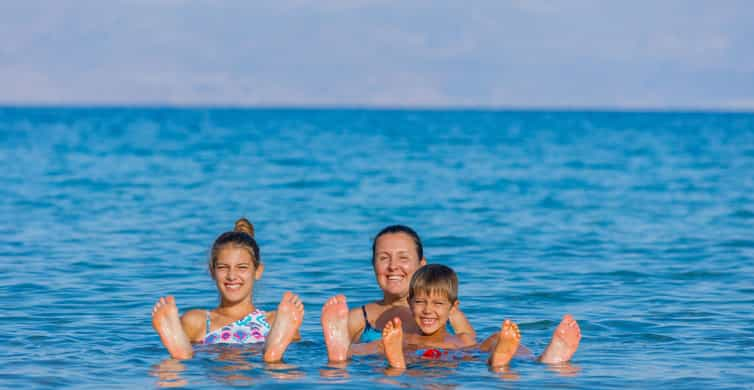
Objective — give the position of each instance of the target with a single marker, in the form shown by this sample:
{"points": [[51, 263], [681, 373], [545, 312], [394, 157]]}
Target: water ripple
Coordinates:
{"points": [[635, 223]]}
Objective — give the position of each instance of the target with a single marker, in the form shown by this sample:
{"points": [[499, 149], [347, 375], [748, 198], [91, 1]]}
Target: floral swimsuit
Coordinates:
{"points": [[251, 329]]}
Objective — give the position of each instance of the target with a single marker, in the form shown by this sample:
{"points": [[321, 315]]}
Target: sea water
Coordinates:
{"points": [[638, 224]]}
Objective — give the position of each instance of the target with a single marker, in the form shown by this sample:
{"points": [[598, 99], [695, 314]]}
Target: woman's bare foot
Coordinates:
{"points": [[392, 341], [564, 343], [166, 322], [288, 319], [506, 346], [335, 328]]}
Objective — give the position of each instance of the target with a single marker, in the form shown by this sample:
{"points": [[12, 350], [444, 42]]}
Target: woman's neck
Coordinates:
{"points": [[394, 300]]}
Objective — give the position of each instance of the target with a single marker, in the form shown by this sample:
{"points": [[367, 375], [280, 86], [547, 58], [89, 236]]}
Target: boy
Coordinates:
{"points": [[433, 296]]}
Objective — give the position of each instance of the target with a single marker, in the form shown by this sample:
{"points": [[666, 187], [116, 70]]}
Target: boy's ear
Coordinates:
{"points": [[455, 306], [423, 262], [258, 272]]}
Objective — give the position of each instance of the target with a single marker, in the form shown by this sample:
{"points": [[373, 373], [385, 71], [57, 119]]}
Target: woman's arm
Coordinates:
{"points": [[356, 324], [370, 348], [462, 327]]}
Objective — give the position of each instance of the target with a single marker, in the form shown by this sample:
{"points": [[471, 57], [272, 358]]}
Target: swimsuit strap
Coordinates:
{"points": [[366, 319], [208, 321]]}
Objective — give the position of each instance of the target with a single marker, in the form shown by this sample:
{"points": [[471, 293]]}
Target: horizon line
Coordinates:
{"points": [[380, 107]]}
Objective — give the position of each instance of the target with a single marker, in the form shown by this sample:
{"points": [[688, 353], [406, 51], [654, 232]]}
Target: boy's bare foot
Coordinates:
{"points": [[564, 343], [335, 328], [288, 319], [392, 341], [166, 322], [506, 346]]}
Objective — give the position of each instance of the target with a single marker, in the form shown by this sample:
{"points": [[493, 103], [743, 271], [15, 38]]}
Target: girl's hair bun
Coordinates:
{"points": [[243, 225]]}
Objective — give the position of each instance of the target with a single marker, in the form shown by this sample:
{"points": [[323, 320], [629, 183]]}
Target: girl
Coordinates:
{"points": [[235, 265]]}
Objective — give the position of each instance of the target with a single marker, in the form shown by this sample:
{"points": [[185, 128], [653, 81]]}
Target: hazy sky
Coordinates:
{"points": [[601, 53]]}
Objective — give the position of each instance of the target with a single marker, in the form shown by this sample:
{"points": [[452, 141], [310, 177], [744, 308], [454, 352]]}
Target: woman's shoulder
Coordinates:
{"points": [[357, 314], [356, 321], [355, 310]]}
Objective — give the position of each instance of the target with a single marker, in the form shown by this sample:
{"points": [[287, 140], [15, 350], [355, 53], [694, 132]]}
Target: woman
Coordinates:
{"points": [[397, 253]]}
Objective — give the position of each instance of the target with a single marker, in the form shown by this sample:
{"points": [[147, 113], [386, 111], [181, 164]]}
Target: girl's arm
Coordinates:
{"points": [[194, 323]]}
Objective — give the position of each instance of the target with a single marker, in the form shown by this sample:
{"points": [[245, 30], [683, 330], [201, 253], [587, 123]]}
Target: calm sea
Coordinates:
{"points": [[639, 224]]}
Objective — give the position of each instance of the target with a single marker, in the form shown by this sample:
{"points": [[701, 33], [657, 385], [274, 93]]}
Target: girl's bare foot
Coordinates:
{"points": [[392, 341], [564, 343], [506, 346], [335, 328], [166, 322], [288, 319]]}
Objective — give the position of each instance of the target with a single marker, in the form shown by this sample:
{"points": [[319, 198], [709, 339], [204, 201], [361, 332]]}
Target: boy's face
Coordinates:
{"points": [[431, 311]]}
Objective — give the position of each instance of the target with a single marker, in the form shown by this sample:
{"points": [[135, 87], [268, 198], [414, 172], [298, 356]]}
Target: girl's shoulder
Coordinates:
{"points": [[195, 316], [194, 323]]}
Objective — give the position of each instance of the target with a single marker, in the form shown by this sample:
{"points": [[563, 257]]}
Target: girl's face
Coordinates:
{"points": [[395, 261], [235, 274]]}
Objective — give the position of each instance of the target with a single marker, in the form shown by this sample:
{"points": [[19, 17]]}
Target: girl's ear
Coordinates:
{"points": [[258, 272], [455, 306], [423, 262]]}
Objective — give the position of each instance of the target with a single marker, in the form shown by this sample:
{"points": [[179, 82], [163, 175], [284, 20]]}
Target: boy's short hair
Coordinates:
{"points": [[434, 279]]}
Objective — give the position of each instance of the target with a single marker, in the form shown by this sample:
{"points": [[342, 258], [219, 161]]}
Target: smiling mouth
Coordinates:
{"points": [[233, 286], [395, 278], [428, 321]]}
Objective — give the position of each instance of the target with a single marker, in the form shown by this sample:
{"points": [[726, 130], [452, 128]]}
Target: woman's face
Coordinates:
{"points": [[395, 261], [235, 274]]}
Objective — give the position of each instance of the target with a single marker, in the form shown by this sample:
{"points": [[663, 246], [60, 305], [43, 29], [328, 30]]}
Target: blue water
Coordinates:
{"points": [[639, 224]]}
